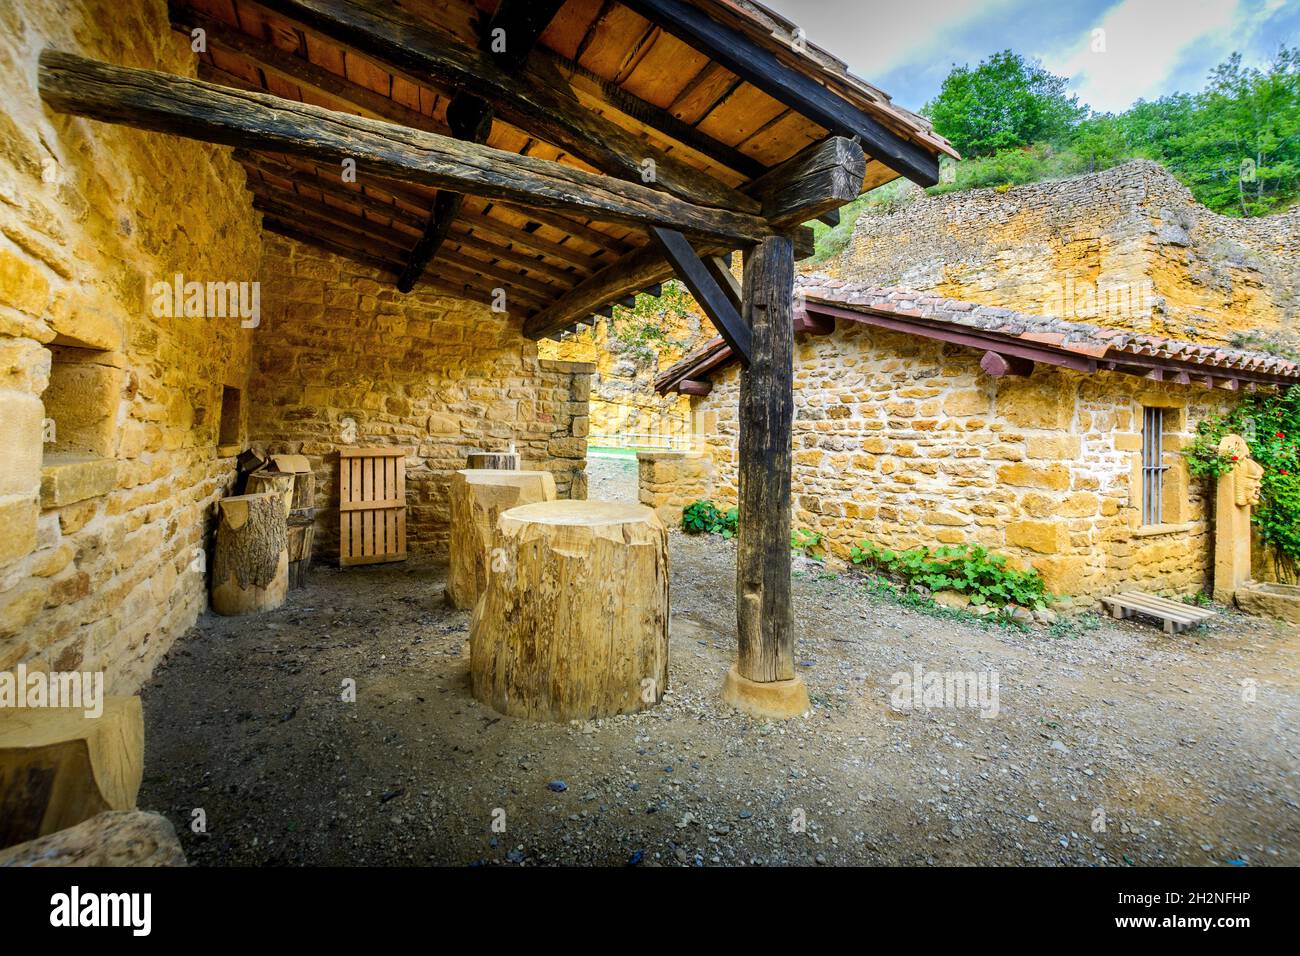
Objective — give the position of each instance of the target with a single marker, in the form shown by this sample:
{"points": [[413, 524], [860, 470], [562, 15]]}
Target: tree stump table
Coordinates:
{"points": [[494, 460], [478, 497], [574, 624], [251, 569]]}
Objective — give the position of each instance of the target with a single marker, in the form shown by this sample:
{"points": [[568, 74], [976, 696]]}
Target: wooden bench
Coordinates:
{"points": [[1176, 616]]}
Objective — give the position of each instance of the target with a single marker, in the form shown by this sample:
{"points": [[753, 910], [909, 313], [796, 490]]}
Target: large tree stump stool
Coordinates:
{"points": [[478, 497], [59, 767], [251, 569], [574, 624]]}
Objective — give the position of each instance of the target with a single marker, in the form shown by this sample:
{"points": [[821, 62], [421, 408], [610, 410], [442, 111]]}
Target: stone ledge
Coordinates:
{"points": [[66, 479], [575, 368], [1154, 530]]}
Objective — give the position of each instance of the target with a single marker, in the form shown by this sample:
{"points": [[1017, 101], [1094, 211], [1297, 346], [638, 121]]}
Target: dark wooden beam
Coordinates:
{"points": [[470, 119], [326, 187], [628, 275], [719, 268], [328, 221], [661, 121], [515, 29], [800, 92], [297, 70], [146, 99], [818, 180], [416, 49], [807, 323], [690, 386], [765, 625], [998, 365], [716, 303]]}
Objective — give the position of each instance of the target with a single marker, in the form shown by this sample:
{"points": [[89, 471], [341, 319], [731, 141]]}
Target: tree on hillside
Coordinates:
{"points": [[1006, 101]]}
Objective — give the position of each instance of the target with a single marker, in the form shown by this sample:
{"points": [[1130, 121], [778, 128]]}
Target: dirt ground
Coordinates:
{"points": [[1110, 746]]}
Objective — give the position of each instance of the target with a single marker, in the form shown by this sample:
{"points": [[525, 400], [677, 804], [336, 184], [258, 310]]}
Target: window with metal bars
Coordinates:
{"points": [[1153, 466]]}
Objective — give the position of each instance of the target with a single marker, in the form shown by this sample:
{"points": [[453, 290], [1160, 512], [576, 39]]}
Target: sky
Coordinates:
{"points": [[1146, 48]]}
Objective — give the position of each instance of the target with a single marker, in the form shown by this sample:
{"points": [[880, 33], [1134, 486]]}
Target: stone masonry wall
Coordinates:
{"points": [[100, 526], [625, 409], [440, 375], [1132, 232], [904, 442]]}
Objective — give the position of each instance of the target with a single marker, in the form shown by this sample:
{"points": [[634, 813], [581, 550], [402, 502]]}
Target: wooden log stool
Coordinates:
{"points": [[478, 498], [59, 766], [575, 623], [302, 515], [494, 460], [251, 570]]}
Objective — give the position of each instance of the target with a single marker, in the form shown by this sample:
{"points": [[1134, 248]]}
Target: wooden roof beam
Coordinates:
{"points": [[801, 93], [416, 49], [716, 303], [816, 181], [150, 100], [299, 71]]}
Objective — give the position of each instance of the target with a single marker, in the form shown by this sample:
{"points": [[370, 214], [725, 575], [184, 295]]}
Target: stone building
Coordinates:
{"points": [[120, 419], [904, 438]]}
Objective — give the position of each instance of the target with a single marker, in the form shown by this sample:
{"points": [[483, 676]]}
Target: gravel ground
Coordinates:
{"points": [[1110, 746], [612, 479]]}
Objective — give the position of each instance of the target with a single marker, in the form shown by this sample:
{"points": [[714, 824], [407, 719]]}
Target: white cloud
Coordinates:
{"points": [[1145, 40]]}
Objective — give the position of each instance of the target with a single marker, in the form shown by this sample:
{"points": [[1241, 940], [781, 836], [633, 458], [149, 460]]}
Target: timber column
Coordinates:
{"points": [[762, 682]]}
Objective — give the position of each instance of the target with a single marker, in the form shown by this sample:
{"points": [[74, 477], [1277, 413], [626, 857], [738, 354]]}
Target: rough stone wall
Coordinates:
{"points": [[440, 375], [668, 481], [904, 442], [1132, 232], [99, 526], [625, 408]]}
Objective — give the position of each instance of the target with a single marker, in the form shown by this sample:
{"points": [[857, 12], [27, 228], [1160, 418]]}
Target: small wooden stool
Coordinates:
{"points": [[251, 570], [575, 623], [478, 497]]}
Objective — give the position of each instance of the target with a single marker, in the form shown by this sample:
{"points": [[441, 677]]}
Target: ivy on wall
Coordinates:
{"points": [[1270, 424]]}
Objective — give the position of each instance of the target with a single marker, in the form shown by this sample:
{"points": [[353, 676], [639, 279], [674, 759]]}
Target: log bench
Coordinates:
{"points": [[573, 623]]}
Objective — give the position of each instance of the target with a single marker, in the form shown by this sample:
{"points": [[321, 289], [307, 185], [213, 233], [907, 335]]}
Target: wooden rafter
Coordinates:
{"points": [[413, 48], [764, 69], [162, 102], [717, 304]]}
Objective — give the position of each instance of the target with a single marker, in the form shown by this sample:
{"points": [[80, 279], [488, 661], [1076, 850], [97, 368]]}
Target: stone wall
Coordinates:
{"points": [[1127, 247], [101, 525], [343, 357], [904, 442], [625, 409], [668, 481]]}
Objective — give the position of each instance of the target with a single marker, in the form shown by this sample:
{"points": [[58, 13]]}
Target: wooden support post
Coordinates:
{"points": [[763, 682]]}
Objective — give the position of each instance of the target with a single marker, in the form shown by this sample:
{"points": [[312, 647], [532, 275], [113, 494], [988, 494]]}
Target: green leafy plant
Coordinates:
{"points": [[704, 517], [1270, 424], [966, 568], [807, 542]]}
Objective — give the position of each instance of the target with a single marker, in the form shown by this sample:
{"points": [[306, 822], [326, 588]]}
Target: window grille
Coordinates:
{"points": [[1153, 467]]}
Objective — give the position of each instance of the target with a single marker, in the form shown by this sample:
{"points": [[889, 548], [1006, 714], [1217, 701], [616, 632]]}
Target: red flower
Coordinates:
{"points": [[1282, 471], [1280, 435], [1234, 457]]}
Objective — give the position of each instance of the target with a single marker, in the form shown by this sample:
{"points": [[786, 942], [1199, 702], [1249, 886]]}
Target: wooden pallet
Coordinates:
{"points": [[1175, 615], [372, 505]]}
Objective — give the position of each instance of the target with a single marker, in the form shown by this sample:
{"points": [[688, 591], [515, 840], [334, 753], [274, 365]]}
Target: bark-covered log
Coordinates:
{"points": [[59, 767], [495, 460], [478, 497], [574, 623], [251, 569]]}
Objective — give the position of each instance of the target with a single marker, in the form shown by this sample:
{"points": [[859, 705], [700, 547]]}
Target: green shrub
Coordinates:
{"points": [[967, 568], [704, 517]]}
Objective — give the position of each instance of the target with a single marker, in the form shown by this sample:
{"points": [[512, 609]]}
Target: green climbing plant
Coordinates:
{"points": [[1270, 424]]}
